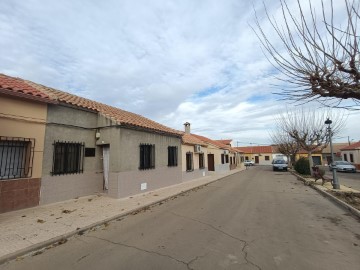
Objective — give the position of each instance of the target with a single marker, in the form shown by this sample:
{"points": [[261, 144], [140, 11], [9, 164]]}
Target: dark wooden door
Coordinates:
{"points": [[211, 162], [256, 159]]}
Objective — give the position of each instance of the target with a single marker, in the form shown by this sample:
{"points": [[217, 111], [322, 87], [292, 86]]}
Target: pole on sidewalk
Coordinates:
{"points": [[335, 183]]}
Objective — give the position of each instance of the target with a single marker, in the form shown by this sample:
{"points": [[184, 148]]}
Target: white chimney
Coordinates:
{"points": [[187, 128]]}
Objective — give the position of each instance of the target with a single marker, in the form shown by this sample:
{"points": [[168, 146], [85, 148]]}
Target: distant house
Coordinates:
{"points": [[23, 111], [351, 153], [218, 154], [261, 155], [91, 147], [326, 153], [316, 156], [194, 156]]}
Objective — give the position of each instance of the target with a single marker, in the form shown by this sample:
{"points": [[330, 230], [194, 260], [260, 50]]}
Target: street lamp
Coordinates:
{"points": [[336, 184]]}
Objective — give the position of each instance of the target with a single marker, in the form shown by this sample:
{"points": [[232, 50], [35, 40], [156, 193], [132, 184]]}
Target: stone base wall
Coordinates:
{"points": [[198, 173], [65, 187], [124, 184], [17, 194]]}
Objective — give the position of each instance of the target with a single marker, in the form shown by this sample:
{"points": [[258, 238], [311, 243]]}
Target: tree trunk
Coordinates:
{"points": [[311, 163], [290, 165]]}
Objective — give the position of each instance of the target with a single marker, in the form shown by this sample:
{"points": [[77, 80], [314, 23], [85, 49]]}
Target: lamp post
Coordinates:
{"points": [[336, 184]]}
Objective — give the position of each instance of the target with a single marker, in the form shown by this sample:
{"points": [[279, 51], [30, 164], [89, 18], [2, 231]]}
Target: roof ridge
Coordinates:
{"points": [[120, 116]]}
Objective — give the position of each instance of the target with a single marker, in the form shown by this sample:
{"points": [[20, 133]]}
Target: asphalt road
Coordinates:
{"points": [[345, 178], [255, 219]]}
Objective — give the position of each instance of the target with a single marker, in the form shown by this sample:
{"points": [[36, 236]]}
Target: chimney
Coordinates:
{"points": [[187, 128]]}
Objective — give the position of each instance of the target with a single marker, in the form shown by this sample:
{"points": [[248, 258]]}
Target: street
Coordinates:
{"points": [[255, 219], [345, 178]]}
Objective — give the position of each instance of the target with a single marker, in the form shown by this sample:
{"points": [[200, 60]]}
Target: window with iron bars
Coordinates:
{"points": [[189, 162], [172, 156], [201, 161], [16, 157], [68, 158], [147, 156]]}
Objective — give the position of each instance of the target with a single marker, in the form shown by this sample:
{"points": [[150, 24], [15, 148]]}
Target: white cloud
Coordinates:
{"points": [[171, 61]]}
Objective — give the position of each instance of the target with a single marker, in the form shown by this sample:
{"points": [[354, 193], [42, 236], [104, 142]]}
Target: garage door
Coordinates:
{"points": [[317, 160]]}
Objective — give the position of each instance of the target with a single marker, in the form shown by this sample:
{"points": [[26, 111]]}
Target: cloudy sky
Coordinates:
{"points": [[171, 61]]}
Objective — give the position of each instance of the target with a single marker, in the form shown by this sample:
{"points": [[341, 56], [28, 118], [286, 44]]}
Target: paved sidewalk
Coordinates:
{"points": [[29, 229]]}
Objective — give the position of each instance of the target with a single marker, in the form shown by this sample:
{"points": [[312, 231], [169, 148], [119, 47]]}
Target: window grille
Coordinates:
{"points": [[172, 156], [147, 156], [189, 162], [201, 161], [68, 158], [16, 157]]}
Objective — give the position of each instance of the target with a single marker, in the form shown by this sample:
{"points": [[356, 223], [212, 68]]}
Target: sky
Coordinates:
{"points": [[170, 61]]}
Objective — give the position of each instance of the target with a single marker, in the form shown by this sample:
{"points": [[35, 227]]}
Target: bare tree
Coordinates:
{"points": [[307, 128], [318, 60], [286, 145]]}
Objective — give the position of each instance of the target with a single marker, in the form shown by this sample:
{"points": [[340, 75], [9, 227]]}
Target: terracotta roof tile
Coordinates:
{"points": [[226, 142], [213, 142], [191, 139], [122, 117], [353, 146], [18, 87], [255, 149]]}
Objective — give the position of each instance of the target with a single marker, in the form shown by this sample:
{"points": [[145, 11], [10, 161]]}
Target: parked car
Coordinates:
{"points": [[279, 164], [249, 163], [342, 166]]}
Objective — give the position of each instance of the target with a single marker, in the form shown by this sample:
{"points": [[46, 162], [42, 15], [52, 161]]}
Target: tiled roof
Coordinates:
{"points": [[336, 147], [255, 149], [213, 142], [121, 117], [353, 146], [191, 139], [18, 87], [226, 142]]}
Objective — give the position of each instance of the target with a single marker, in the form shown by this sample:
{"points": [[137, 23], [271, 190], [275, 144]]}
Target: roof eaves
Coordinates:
{"points": [[27, 96]]}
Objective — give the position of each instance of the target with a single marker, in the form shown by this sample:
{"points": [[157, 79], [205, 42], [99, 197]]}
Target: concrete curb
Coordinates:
{"points": [[58, 240], [331, 197]]}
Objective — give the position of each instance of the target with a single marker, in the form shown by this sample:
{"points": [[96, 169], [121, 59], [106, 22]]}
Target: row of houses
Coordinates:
{"points": [[56, 146], [264, 155]]}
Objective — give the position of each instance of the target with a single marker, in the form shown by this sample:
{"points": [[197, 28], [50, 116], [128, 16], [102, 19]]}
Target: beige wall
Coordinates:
{"points": [[356, 155], [69, 124], [22, 118], [190, 148], [197, 172]]}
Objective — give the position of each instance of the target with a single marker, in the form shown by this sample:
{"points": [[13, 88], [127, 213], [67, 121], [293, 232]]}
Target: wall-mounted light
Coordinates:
{"points": [[97, 135]]}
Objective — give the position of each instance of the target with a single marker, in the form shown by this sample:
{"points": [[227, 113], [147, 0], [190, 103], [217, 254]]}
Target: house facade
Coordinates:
{"points": [[351, 153], [194, 153], [86, 147], [261, 155], [326, 153], [218, 155], [23, 112], [94, 147]]}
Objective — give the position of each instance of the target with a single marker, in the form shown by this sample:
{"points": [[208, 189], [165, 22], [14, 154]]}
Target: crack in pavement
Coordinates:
{"points": [[225, 233], [187, 264]]}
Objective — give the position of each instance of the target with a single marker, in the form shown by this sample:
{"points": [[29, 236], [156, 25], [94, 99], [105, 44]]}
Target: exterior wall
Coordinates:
{"points": [[71, 125], [316, 155], [219, 167], [261, 157], [125, 178], [197, 172], [22, 118], [356, 155]]}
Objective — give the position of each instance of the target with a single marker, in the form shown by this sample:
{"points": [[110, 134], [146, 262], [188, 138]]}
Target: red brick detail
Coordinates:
{"points": [[17, 194]]}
